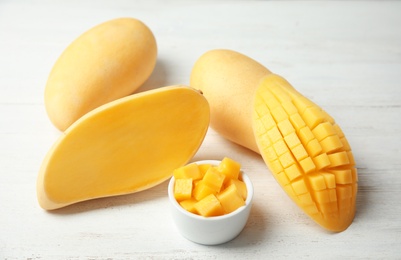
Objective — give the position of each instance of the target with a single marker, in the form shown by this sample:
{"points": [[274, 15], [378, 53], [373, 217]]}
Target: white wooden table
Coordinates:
{"points": [[344, 55]]}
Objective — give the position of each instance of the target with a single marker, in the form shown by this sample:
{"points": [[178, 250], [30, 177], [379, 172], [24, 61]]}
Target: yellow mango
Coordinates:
{"points": [[203, 168], [229, 168], [125, 146], [230, 199], [188, 171], [301, 144], [209, 206], [241, 187], [230, 190], [307, 153], [228, 80], [182, 189], [202, 189], [214, 178], [107, 62], [189, 204]]}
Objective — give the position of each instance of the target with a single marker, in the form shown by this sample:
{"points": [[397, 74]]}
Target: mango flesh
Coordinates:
{"points": [[125, 146], [107, 62], [219, 191], [228, 80], [303, 147], [307, 153]]}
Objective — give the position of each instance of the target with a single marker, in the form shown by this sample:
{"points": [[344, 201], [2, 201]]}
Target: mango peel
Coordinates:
{"points": [[107, 62]]}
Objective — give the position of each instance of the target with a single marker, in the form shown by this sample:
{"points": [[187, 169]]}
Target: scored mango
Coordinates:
{"points": [[220, 190], [307, 153]]}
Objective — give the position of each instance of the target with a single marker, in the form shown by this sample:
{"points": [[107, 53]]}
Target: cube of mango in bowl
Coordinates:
{"points": [[219, 205]]}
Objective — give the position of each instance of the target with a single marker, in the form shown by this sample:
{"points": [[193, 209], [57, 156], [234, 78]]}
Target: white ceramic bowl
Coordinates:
{"points": [[210, 230]]}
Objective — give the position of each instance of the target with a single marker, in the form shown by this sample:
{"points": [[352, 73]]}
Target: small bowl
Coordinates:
{"points": [[210, 230]]}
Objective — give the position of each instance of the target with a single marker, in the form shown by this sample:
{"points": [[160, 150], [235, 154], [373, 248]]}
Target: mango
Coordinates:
{"points": [[220, 191], [306, 154], [125, 146], [188, 205], [209, 206], [230, 169], [228, 80], [240, 185], [202, 189], [105, 63], [214, 179], [230, 199], [183, 189], [189, 171], [302, 145]]}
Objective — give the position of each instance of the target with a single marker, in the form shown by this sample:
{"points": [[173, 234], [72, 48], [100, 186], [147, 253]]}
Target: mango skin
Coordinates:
{"points": [[107, 62], [228, 80]]}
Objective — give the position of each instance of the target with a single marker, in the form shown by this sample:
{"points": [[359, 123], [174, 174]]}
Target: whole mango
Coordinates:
{"points": [[107, 62]]}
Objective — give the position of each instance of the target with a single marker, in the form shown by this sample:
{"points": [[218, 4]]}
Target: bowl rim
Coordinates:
{"points": [[248, 200]]}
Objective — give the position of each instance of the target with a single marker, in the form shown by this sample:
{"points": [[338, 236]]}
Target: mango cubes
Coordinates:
{"points": [[307, 153], [209, 190]]}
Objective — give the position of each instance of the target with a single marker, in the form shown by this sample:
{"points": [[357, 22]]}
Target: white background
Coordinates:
{"points": [[343, 55]]}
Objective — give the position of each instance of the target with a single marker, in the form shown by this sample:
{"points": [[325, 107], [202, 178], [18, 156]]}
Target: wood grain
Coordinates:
{"points": [[343, 55]]}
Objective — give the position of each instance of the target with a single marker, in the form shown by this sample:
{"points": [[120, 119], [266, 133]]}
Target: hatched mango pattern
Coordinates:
{"points": [[307, 153]]}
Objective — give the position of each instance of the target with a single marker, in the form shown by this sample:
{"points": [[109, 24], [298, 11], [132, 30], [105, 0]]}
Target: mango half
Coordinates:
{"points": [[125, 146], [107, 62]]}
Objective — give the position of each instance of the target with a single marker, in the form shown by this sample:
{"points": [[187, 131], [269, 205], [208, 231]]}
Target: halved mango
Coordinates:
{"points": [[125, 146]]}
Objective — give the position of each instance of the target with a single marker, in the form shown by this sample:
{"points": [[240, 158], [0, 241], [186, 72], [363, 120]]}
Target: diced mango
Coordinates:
{"points": [[289, 107], [183, 189], [203, 168], [305, 135], [314, 148], [280, 147], [199, 196], [299, 152], [274, 134], [202, 189], [241, 187], [292, 140], [321, 161], [297, 121], [313, 116], [230, 199], [229, 168], [285, 127], [293, 172], [189, 205], [307, 153], [331, 143], [209, 206], [279, 114], [214, 178], [323, 130], [188, 171], [307, 165]]}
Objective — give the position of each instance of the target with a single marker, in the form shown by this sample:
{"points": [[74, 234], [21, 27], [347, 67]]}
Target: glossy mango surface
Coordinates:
{"points": [[107, 62], [125, 146], [307, 152]]}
